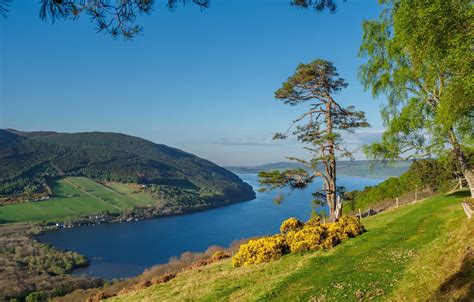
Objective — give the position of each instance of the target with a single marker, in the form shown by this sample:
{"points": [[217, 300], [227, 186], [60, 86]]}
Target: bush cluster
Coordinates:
{"points": [[291, 225], [307, 239], [297, 236], [261, 250]]}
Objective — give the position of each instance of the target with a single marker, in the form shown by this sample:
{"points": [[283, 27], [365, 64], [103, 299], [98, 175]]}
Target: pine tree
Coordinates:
{"points": [[319, 129]]}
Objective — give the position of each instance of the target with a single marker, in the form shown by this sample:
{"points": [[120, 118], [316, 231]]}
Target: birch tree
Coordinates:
{"points": [[419, 57]]}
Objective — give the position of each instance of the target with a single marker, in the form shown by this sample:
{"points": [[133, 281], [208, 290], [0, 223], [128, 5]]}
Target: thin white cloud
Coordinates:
{"points": [[356, 139], [361, 137], [255, 141], [262, 149]]}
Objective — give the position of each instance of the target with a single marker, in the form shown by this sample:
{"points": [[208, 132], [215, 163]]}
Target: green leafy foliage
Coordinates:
{"points": [[419, 56], [437, 175]]}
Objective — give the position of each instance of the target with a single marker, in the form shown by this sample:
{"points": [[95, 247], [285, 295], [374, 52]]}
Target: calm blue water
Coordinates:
{"points": [[125, 249]]}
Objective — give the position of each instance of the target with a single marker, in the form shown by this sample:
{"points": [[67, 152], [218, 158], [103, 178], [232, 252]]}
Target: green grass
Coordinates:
{"points": [[62, 189], [407, 254], [74, 197]]}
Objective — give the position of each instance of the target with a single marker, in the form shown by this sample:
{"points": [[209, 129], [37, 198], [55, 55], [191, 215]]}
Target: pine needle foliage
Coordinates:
{"points": [[117, 18]]}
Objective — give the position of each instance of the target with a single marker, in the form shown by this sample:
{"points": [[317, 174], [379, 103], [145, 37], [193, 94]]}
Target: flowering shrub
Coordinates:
{"points": [[313, 221], [291, 224], [261, 250], [346, 227], [336, 229], [298, 237], [307, 239], [351, 226], [334, 235]]}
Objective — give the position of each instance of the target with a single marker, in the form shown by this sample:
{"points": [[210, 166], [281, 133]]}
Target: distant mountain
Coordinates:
{"points": [[356, 168], [29, 159]]}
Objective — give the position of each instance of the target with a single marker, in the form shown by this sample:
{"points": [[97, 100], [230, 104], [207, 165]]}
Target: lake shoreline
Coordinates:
{"points": [[167, 235], [91, 221], [142, 214]]}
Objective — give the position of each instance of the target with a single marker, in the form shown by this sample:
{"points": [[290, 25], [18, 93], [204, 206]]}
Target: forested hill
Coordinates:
{"points": [[29, 159]]}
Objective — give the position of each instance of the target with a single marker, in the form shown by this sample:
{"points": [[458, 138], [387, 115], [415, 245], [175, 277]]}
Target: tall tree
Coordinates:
{"points": [[118, 17], [419, 55], [319, 129]]}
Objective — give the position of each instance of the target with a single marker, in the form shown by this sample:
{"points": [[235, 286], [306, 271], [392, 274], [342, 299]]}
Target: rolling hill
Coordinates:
{"points": [[32, 162]]}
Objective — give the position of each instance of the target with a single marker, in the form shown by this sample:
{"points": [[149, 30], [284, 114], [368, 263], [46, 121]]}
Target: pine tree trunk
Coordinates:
{"points": [[330, 197], [466, 170], [335, 201], [332, 203], [334, 207]]}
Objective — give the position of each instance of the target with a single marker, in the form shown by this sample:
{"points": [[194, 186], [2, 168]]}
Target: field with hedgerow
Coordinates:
{"points": [[421, 251], [75, 197]]}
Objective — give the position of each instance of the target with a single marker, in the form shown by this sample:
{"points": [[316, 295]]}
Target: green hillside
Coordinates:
{"points": [[31, 161], [75, 197], [417, 252]]}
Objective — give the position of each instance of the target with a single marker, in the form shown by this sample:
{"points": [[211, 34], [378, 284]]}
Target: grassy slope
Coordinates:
{"points": [[405, 255], [75, 197]]}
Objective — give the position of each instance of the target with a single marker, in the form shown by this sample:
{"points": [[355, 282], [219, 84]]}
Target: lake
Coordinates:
{"points": [[120, 250]]}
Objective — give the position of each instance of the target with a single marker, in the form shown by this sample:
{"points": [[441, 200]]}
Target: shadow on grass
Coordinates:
{"points": [[461, 281], [463, 193]]}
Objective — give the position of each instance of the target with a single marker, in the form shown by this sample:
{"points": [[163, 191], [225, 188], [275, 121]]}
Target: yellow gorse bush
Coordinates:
{"points": [[335, 234], [298, 237], [351, 226], [308, 238], [291, 224], [261, 250], [313, 221]]}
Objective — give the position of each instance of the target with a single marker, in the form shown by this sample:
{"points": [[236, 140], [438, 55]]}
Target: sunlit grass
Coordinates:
{"points": [[74, 197], [406, 254]]}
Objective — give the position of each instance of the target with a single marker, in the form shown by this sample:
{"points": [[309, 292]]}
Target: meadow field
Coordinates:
{"points": [[74, 197]]}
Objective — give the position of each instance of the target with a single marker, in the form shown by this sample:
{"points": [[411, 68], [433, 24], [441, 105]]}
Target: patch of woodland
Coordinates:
{"points": [[33, 270]]}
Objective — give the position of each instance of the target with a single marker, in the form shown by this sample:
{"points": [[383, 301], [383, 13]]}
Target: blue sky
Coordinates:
{"points": [[202, 81]]}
